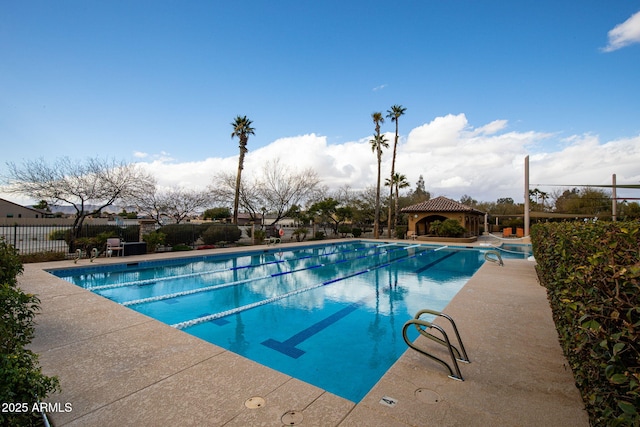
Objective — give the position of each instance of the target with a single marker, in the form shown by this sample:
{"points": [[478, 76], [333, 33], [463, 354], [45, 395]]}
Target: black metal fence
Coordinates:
{"points": [[30, 239]]}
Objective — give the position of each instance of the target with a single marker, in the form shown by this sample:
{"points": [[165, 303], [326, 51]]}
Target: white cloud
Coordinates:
{"points": [[455, 158], [624, 34], [585, 160], [438, 134], [491, 128], [486, 162]]}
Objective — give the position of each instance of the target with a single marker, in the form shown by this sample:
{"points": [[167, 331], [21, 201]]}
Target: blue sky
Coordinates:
{"points": [[484, 84]]}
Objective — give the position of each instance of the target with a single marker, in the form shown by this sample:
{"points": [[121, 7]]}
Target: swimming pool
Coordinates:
{"points": [[330, 315], [516, 250]]}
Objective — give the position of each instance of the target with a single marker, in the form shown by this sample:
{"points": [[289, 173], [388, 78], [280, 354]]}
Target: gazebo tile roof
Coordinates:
{"points": [[440, 204]]}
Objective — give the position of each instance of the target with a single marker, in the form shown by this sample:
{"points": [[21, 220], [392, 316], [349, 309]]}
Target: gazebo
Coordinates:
{"points": [[421, 216]]}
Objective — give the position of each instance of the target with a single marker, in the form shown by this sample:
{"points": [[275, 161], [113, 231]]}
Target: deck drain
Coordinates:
{"points": [[254, 402], [427, 396], [388, 401], [292, 418]]}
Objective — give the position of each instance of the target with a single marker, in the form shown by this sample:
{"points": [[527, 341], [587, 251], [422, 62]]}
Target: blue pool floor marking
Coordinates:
{"points": [[432, 263], [288, 347]]}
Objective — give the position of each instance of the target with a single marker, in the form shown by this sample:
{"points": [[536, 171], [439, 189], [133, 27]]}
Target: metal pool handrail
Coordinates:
{"points": [[423, 326], [496, 260]]}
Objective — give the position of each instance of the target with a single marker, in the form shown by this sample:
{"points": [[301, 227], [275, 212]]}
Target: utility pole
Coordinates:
{"points": [[614, 200], [526, 196]]}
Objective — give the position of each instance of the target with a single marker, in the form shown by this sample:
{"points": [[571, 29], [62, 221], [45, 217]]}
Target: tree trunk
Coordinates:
{"points": [[395, 216], [393, 172], [236, 200]]}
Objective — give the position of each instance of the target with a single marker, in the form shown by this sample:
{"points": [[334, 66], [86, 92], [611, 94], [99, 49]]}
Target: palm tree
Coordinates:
{"points": [[399, 181], [377, 143], [242, 129], [394, 114]]}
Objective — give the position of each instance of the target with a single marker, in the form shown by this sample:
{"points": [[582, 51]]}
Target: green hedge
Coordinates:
{"points": [[447, 228], [21, 378], [183, 234], [221, 233], [592, 275]]}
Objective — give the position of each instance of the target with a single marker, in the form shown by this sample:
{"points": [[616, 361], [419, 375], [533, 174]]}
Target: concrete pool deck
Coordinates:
{"points": [[120, 368]]}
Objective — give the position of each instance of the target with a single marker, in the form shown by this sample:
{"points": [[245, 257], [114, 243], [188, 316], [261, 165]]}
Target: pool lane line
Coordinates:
{"points": [[203, 273], [222, 270], [234, 283], [213, 287], [177, 276], [197, 321], [246, 307]]}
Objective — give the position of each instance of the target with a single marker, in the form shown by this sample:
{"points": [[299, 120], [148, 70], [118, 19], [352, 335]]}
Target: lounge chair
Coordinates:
{"points": [[114, 244]]}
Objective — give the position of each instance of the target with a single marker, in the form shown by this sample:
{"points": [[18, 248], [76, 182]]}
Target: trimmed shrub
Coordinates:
{"points": [[22, 378], [221, 233], [401, 231], [181, 248], [10, 264], [181, 234], [344, 229], [447, 228], [260, 235], [592, 275], [300, 233], [153, 240], [42, 257]]}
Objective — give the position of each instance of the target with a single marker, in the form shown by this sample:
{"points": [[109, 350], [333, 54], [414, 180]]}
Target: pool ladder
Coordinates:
{"points": [[423, 328], [494, 257]]}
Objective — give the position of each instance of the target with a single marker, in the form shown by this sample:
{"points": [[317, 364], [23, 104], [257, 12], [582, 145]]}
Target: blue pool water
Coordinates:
{"points": [[330, 315]]}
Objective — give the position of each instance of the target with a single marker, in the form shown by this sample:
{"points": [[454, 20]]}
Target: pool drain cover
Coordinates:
{"points": [[291, 418], [254, 402], [427, 396]]}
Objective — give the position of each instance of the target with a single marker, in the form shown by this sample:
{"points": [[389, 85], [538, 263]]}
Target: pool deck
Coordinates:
{"points": [[120, 368]]}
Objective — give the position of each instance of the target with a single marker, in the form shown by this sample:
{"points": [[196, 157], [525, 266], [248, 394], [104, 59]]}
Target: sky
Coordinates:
{"points": [[484, 84]]}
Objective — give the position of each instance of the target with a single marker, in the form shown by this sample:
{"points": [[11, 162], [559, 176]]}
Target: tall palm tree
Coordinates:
{"points": [[377, 143], [399, 181], [394, 114], [242, 129]]}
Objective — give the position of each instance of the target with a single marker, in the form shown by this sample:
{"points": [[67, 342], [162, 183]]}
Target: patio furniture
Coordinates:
{"points": [[114, 244]]}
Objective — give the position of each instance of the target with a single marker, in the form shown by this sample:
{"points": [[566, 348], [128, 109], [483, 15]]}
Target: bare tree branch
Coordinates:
{"points": [[88, 186]]}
